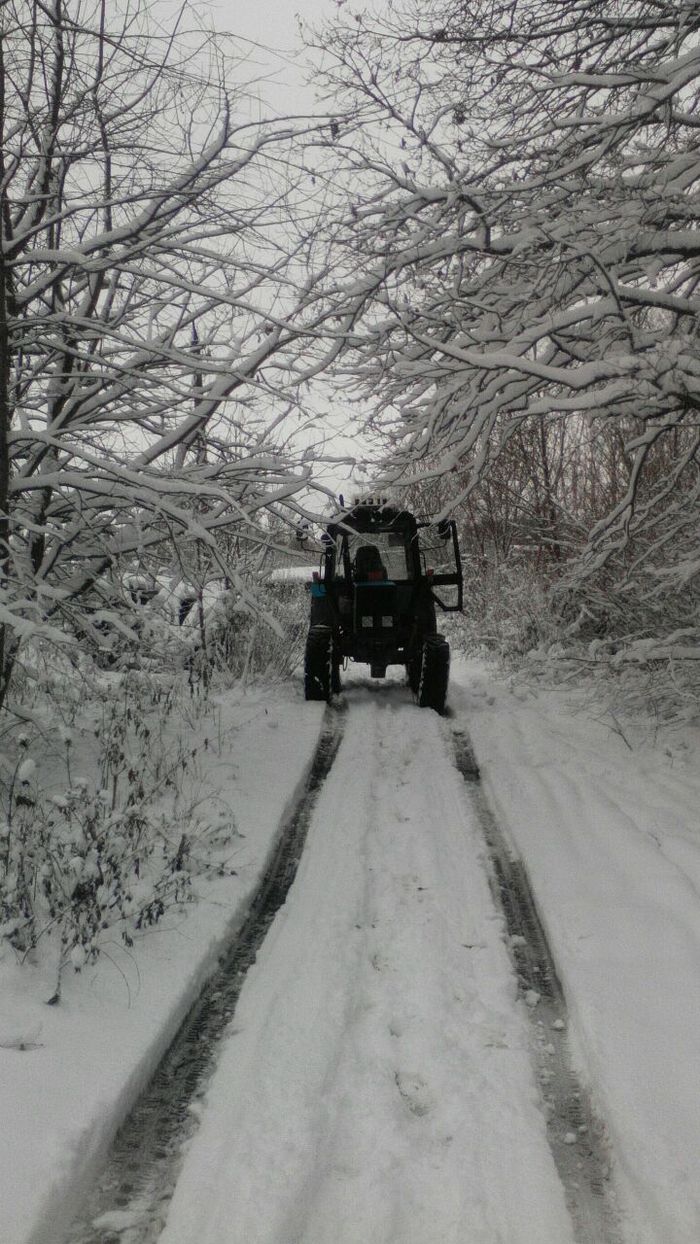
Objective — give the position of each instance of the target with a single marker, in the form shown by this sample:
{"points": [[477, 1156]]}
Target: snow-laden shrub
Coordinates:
{"points": [[263, 641], [642, 655], [633, 627], [83, 858], [506, 609], [222, 632], [277, 636]]}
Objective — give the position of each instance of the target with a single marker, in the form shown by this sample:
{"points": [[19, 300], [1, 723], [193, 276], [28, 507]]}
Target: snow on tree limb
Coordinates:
{"points": [[149, 269], [521, 200]]}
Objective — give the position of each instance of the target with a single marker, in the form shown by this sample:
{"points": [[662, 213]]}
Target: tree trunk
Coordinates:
{"points": [[7, 647]]}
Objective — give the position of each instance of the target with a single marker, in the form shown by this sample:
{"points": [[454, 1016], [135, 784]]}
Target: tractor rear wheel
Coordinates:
{"points": [[434, 673], [318, 664], [413, 668], [336, 684]]}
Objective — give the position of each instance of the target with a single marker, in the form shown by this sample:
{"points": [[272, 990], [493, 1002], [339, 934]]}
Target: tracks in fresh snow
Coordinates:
{"points": [[378, 1084], [130, 1201], [381, 1072], [576, 1135]]}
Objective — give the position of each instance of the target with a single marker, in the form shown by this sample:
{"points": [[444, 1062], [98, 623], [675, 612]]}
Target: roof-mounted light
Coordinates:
{"points": [[371, 501]]}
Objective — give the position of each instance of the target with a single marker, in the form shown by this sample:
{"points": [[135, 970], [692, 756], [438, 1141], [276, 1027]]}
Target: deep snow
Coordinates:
{"points": [[69, 1074], [377, 1083], [606, 814]]}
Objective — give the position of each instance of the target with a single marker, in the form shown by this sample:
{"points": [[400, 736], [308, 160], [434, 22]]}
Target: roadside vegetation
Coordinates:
{"points": [[484, 248], [522, 205]]}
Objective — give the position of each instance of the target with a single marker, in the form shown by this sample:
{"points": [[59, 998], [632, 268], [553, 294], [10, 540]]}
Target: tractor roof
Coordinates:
{"points": [[373, 518]]}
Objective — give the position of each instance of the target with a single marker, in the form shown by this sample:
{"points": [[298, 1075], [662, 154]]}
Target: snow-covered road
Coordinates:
{"points": [[377, 1085], [383, 1079], [606, 815]]}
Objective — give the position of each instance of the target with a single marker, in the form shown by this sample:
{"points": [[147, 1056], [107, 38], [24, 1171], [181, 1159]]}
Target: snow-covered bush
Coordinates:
{"points": [[506, 610], [141, 270], [229, 634], [267, 643], [97, 835], [524, 332]]}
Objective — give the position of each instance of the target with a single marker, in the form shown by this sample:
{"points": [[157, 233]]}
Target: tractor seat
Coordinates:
{"points": [[368, 566]]}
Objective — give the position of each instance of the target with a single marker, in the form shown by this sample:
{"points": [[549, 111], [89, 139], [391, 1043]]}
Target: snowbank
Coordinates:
{"points": [[604, 812], [605, 817], [69, 1074]]}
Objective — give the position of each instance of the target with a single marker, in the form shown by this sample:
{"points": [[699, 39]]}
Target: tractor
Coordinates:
{"points": [[373, 600]]}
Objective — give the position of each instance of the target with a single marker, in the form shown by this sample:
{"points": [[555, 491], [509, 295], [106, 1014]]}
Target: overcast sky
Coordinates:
{"points": [[275, 61], [274, 71], [269, 31]]}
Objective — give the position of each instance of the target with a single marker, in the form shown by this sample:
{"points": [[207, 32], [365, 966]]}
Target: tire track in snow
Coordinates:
{"points": [[130, 1201], [576, 1135], [378, 1087]]}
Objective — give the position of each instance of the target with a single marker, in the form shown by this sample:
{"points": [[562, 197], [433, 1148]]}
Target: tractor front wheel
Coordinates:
{"points": [[434, 673]]}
